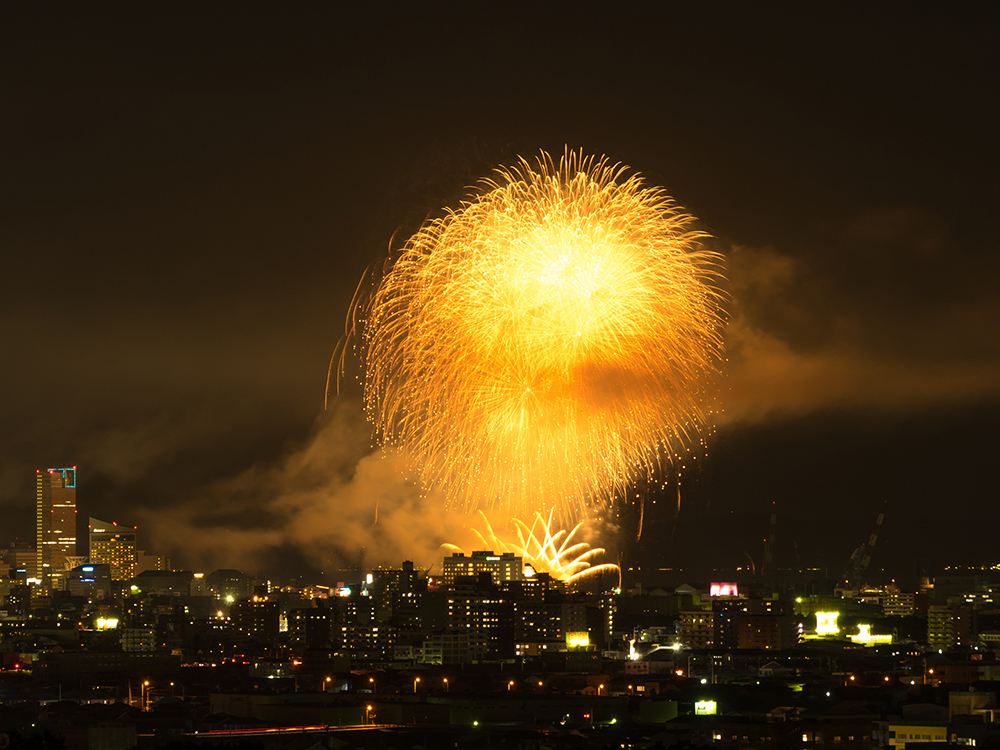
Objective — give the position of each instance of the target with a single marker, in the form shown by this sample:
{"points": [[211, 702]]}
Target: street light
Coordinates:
{"points": [[510, 685], [600, 688], [371, 681], [368, 711], [325, 683], [415, 681], [446, 684], [145, 695]]}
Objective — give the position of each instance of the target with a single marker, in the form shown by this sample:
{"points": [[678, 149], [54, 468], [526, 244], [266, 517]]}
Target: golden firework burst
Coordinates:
{"points": [[553, 337]]}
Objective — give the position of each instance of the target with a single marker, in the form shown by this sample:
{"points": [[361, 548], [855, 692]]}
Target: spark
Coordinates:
{"points": [[553, 338], [545, 551]]}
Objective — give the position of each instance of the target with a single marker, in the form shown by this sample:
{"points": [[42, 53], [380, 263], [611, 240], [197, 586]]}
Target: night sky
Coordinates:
{"points": [[191, 193]]}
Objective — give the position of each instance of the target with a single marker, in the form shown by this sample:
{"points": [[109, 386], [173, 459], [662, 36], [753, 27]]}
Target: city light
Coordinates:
{"points": [[866, 637], [705, 708], [723, 589], [826, 623]]}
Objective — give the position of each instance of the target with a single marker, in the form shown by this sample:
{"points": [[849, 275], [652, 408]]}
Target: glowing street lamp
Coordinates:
{"points": [[368, 714], [600, 689], [415, 681], [371, 681], [326, 682], [446, 684], [145, 695], [510, 685]]}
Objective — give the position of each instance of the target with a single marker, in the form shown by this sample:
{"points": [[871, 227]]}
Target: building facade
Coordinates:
{"points": [[505, 567], [114, 546], [55, 523]]}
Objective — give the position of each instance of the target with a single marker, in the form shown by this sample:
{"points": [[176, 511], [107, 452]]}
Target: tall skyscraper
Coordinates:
{"points": [[55, 527], [113, 545]]}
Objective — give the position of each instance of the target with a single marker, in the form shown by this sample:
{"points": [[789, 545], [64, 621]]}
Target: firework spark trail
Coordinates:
{"points": [[545, 551], [544, 343]]}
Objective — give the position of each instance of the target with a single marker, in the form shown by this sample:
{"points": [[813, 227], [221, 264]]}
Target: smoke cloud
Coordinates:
{"points": [[335, 498], [908, 332]]}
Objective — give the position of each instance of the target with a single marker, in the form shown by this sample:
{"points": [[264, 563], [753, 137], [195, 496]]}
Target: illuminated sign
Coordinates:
{"points": [[344, 591], [866, 637], [724, 589], [578, 639], [826, 623], [705, 708], [87, 568], [106, 623]]}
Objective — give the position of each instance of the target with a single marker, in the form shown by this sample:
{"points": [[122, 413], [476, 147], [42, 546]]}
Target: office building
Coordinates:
{"points": [[55, 527], [113, 545], [505, 567]]}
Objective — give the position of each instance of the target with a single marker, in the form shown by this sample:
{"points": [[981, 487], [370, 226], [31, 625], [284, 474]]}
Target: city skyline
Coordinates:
{"points": [[189, 207]]}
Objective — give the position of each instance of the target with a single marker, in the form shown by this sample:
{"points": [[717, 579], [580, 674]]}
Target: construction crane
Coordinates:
{"points": [[862, 556]]}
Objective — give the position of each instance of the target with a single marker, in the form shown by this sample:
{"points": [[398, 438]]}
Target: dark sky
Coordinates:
{"points": [[190, 195]]}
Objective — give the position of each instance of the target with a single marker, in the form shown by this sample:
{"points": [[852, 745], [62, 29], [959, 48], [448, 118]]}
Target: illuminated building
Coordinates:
{"points": [[906, 732], [22, 561], [766, 632], [505, 567], [734, 620], [898, 604], [255, 620], [538, 607], [137, 639], [696, 629], [477, 606], [90, 580], [826, 623], [949, 626], [399, 593], [113, 545], [55, 523], [311, 628], [145, 561], [371, 642], [171, 582], [446, 647], [866, 638], [226, 583]]}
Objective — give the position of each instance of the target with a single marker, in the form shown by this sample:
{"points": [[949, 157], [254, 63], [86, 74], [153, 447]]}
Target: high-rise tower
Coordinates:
{"points": [[55, 527], [114, 545]]}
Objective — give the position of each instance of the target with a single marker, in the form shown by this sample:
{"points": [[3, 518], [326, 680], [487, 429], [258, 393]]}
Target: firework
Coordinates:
{"points": [[546, 552], [544, 343]]}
